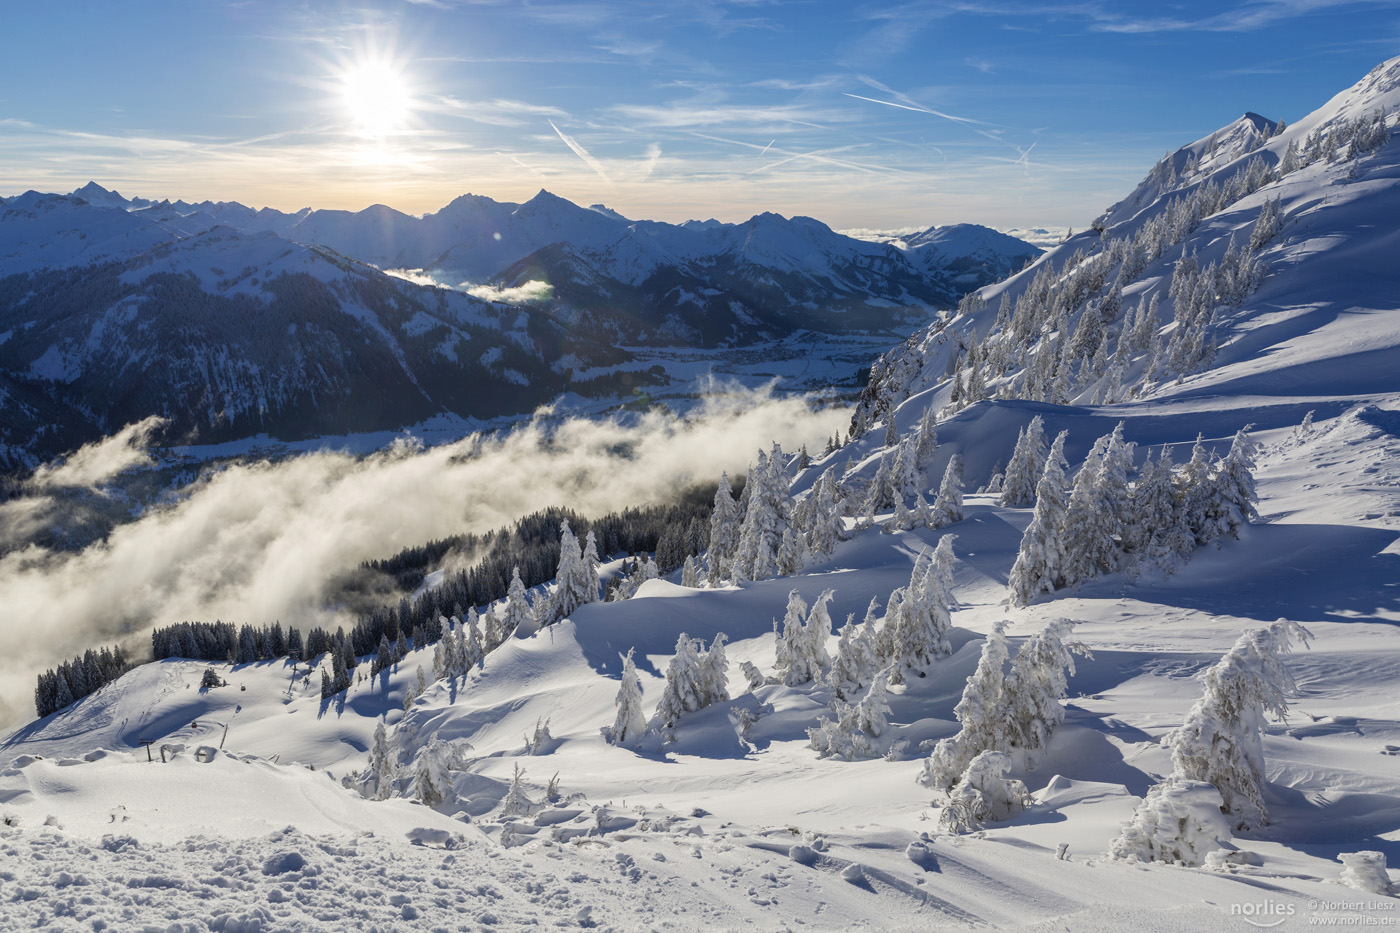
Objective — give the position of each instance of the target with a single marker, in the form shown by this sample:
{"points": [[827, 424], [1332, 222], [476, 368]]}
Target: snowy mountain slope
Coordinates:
{"points": [[227, 334], [971, 252], [50, 231], [1195, 162], [732, 285], [648, 280], [766, 804], [594, 281], [1243, 306]]}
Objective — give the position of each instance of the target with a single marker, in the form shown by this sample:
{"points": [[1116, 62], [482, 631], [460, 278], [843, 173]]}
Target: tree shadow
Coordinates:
{"points": [[1308, 573], [1326, 825]]}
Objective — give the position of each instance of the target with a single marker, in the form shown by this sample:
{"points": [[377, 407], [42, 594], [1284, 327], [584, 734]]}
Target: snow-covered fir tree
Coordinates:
{"points": [[1035, 688], [382, 770], [881, 493], [539, 741], [948, 506], [1025, 466], [922, 515], [690, 572], [1162, 536], [384, 659], [854, 665], [791, 667], [432, 772], [682, 692], [815, 632], [591, 563], [1042, 550], [1202, 513], [714, 672], [493, 630], [517, 802], [630, 723], [724, 533], [923, 618], [695, 678], [925, 438], [766, 519], [1092, 524], [471, 648], [1234, 484], [516, 615], [576, 580], [792, 553], [980, 713], [1221, 740], [801, 654], [825, 522], [906, 477]]}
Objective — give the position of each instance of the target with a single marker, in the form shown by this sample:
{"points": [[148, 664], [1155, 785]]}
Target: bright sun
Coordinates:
{"points": [[377, 97]]}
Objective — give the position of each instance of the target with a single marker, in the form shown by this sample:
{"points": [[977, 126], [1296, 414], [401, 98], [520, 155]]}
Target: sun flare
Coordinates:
{"points": [[377, 97]]}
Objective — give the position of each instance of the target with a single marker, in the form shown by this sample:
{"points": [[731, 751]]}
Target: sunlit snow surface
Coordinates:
{"points": [[733, 828]]}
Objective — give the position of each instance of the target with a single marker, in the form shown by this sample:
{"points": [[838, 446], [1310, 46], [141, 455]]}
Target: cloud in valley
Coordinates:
{"points": [[94, 464], [258, 542]]}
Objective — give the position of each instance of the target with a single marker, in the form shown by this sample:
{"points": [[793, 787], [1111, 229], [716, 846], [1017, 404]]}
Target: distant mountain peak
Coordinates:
{"points": [[607, 212], [545, 196], [93, 193]]}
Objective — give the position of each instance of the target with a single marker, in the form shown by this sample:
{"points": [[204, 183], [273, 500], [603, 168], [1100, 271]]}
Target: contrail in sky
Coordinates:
{"points": [[581, 152]]}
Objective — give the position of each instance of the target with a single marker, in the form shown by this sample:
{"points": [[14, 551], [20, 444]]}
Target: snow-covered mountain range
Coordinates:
{"points": [[113, 309], [1134, 770]]}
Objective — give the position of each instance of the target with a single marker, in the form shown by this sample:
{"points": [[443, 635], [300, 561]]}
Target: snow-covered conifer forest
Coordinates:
{"points": [[1083, 617]]}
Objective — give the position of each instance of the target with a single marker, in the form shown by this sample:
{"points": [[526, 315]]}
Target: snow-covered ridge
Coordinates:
{"points": [[1272, 223]]}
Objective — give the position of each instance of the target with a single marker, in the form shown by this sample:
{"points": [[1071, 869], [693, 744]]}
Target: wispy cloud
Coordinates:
{"points": [[532, 292], [823, 156], [653, 158], [1246, 17], [96, 463], [496, 112], [685, 115]]}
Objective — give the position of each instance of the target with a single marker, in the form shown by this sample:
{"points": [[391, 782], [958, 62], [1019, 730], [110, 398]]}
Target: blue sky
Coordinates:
{"points": [[879, 115]]}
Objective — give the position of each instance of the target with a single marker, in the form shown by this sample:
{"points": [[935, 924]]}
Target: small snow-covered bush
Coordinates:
{"points": [[432, 780], [849, 736], [517, 802], [1365, 871], [1179, 821], [985, 794]]}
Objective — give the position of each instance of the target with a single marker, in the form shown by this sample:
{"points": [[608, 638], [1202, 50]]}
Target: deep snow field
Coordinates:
{"points": [[236, 818]]}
